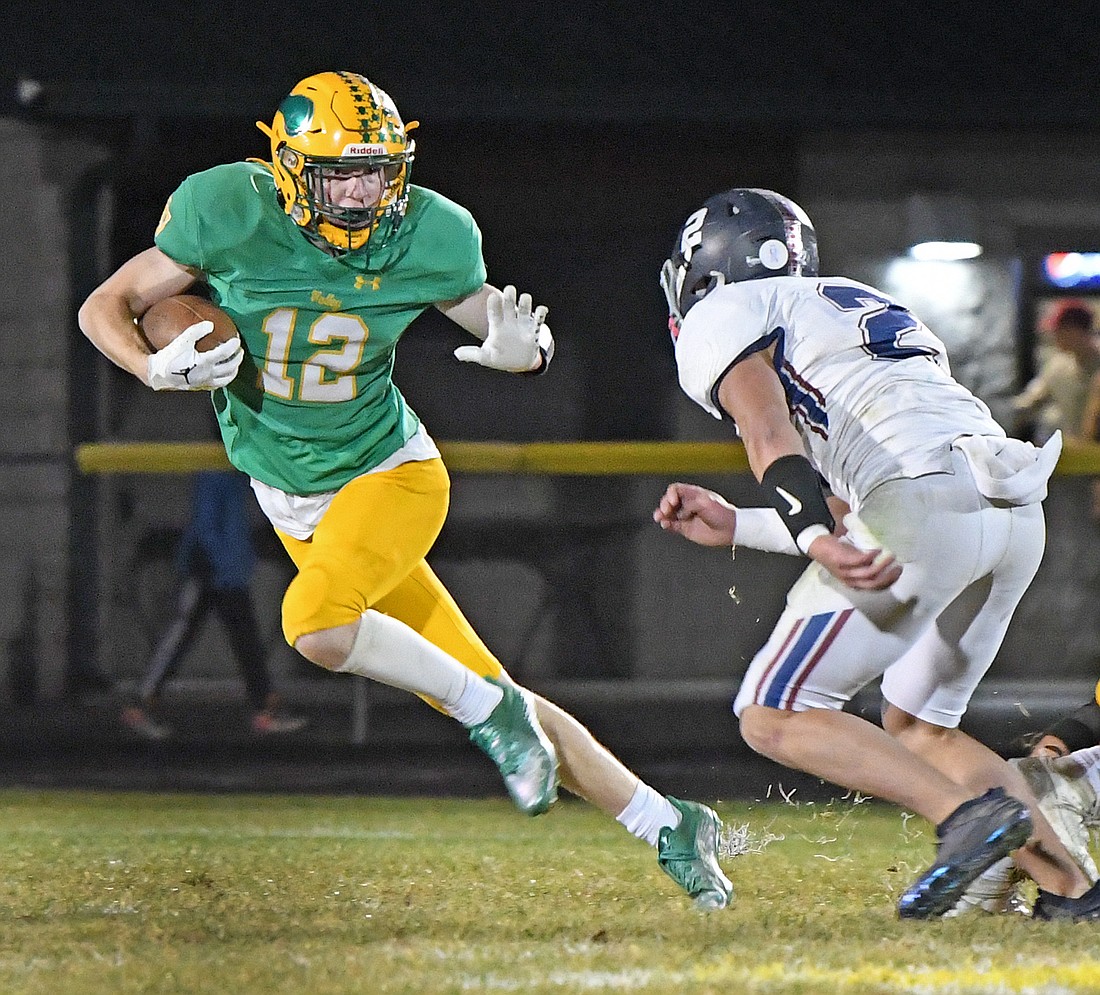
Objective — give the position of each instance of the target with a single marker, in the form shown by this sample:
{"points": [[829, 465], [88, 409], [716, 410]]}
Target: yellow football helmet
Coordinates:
{"points": [[340, 121]]}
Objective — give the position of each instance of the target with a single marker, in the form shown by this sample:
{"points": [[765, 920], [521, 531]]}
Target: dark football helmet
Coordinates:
{"points": [[742, 234]]}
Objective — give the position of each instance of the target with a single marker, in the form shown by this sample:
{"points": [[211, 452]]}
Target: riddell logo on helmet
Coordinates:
{"points": [[364, 150]]}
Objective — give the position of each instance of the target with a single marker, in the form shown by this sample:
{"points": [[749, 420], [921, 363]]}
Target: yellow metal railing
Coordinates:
{"points": [[564, 458]]}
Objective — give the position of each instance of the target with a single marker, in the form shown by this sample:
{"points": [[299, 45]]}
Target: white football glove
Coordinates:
{"points": [[180, 366], [517, 336]]}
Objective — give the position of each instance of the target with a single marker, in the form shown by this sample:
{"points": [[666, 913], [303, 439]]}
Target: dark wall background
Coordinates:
{"points": [[857, 63], [578, 137]]}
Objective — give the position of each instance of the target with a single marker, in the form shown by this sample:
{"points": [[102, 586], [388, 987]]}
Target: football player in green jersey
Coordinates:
{"points": [[323, 257]]}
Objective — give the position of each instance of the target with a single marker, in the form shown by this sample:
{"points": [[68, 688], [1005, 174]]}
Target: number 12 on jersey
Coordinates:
{"points": [[328, 374]]}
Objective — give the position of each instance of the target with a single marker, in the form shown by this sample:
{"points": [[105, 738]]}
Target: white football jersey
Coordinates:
{"points": [[868, 385]]}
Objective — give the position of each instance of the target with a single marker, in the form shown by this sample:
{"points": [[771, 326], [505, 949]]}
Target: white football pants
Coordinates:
{"points": [[967, 562]]}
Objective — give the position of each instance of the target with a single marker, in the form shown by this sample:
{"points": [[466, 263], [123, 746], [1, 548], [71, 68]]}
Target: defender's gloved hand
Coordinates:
{"points": [[517, 336], [180, 366]]}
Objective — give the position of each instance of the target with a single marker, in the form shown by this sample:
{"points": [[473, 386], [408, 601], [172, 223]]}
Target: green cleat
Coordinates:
{"points": [[689, 855], [513, 739]]}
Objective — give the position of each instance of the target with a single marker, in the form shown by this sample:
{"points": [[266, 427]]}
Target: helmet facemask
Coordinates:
{"points": [[675, 273], [336, 123], [348, 229]]}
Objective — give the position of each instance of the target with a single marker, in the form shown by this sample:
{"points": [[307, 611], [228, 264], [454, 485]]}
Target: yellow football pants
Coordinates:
{"points": [[368, 552]]}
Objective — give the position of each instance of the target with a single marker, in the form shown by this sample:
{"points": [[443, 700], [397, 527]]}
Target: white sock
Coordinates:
{"points": [[647, 813], [390, 652], [477, 700]]}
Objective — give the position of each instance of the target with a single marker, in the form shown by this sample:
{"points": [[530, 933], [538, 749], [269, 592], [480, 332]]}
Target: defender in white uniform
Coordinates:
{"points": [[826, 378]]}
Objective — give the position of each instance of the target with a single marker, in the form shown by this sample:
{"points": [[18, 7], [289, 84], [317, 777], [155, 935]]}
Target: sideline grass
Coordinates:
{"points": [[176, 893]]}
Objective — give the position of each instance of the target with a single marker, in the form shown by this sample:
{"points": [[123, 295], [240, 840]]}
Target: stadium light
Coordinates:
{"points": [[942, 228], [944, 252]]}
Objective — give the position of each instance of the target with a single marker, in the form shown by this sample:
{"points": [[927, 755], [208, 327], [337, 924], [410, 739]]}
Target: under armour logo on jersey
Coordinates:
{"points": [[362, 281], [796, 505]]}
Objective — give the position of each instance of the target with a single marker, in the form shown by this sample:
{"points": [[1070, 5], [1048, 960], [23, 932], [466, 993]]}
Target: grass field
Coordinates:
{"points": [[241, 894]]}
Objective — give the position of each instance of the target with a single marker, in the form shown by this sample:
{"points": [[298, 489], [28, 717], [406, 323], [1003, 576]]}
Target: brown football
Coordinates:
{"points": [[167, 318]]}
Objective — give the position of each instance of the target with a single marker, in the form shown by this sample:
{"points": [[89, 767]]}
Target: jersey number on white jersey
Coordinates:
{"points": [[889, 330]]}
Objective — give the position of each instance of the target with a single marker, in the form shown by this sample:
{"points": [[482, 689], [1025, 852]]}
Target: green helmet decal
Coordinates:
{"points": [[297, 112]]}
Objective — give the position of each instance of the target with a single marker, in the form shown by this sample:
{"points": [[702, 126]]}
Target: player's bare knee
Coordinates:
{"points": [[316, 647], [327, 648], [762, 728]]}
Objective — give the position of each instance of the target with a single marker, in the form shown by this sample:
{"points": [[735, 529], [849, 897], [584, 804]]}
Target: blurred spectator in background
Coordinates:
{"points": [[215, 561], [1071, 378], [1055, 398], [1090, 432]]}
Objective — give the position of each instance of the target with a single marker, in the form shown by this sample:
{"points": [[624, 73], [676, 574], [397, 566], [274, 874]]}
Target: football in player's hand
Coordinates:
{"points": [[167, 318]]}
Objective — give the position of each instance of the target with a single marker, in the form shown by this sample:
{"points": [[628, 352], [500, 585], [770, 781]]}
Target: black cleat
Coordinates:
{"points": [[972, 838], [1083, 909]]}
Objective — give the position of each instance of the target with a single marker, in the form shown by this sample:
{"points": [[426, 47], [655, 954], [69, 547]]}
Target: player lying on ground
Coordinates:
{"points": [[1076, 731], [1068, 790]]}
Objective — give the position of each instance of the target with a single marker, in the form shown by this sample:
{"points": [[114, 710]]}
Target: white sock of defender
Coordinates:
{"points": [[647, 813], [390, 652]]}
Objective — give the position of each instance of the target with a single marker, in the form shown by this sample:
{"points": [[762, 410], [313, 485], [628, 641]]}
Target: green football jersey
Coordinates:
{"points": [[314, 405]]}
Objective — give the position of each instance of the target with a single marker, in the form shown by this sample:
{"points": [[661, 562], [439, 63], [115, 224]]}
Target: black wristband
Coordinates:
{"points": [[793, 488]]}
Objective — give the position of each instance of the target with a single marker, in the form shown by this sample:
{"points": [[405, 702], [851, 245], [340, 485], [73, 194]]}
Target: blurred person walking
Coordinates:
{"points": [[215, 561]]}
